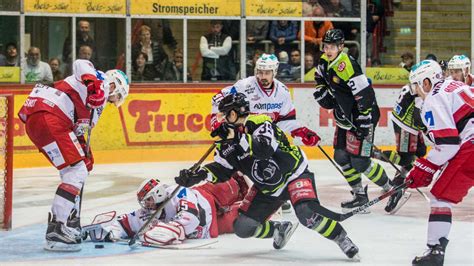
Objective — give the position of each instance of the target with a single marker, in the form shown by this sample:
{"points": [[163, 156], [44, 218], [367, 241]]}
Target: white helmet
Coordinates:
{"points": [[122, 85], [151, 188], [459, 62], [267, 62], [426, 69]]}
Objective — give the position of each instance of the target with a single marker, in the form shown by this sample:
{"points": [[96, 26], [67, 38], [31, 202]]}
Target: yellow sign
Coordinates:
{"points": [[76, 6], [310, 75], [10, 74], [387, 75], [273, 8], [185, 7]]}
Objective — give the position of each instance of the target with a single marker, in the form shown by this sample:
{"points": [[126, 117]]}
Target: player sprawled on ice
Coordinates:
{"points": [[55, 121], [448, 114], [459, 67], [200, 212], [266, 95], [341, 86], [409, 130], [279, 171]]}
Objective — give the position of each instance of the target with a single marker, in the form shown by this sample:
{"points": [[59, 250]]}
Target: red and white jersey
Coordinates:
{"points": [[67, 99], [448, 113], [277, 105], [188, 208]]}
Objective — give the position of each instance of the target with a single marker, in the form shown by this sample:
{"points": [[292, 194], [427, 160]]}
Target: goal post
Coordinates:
{"points": [[6, 160]]}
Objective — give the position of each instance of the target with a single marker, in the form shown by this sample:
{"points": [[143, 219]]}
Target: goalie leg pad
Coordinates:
{"points": [[165, 234]]}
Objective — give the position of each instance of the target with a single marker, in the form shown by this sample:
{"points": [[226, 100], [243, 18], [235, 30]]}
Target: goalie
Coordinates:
{"points": [[200, 212]]}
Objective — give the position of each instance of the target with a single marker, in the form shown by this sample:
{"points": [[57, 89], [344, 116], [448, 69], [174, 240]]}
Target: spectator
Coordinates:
{"points": [[282, 33], [308, 62], [85, 52], [161, 29], [215, 47], [295, 65], [283, 73], [11, 58], [54, 65], [173, 71], [314, 34], [35, 69], [141, 71], [310, 8], [250, 66], [257, 31], [83, 37], [408, 60], [153, 49], [375, 11]]}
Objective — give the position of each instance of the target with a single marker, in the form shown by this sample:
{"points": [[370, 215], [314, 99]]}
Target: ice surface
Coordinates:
{"points": [[383, 239]]}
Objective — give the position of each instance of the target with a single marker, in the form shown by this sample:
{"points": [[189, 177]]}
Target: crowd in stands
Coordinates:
{"points": [[156, 55]]}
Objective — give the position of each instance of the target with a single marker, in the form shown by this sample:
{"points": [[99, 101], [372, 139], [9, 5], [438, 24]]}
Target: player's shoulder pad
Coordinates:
{"points": [[346, 67], [280, 84]]}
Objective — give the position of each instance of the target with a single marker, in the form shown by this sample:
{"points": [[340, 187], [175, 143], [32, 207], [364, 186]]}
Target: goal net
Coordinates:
{"points": [[6, 160]]}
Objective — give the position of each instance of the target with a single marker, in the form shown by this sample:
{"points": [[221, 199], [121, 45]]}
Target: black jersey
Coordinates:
{"points": [[406, 113], [341, 85], [263, 153]]}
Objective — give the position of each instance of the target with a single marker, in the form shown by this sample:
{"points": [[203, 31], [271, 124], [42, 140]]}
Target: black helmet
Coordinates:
{"points": [[334, 36], [237, 102]]}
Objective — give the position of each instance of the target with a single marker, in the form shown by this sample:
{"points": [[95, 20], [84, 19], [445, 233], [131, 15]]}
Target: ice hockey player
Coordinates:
{"points": [[55, 121], [200, 212], [460, 69], [408, 129], [448, 114], [269, 96], [260, 150], [341, 86]]}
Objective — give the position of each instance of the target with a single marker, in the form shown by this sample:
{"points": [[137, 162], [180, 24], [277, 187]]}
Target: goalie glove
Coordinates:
{"points": [[165, 234]]}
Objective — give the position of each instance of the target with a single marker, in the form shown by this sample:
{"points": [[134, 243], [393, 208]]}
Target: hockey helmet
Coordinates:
{"points": [[237, 102], [460, 62], [426, 69], [334, 36], [122, 85], [267, 62], [151, 188]]}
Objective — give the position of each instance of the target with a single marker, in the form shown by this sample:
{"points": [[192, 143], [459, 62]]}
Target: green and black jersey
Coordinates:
{"points": [[406, 113], [342, 86], [263, 153]]}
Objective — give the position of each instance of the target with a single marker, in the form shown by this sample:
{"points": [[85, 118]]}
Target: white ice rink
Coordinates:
{"points": [[383, 239]]}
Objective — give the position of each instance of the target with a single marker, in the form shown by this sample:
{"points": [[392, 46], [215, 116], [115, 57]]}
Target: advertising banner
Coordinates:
{"points": [[77, 6], [10, 74], [185, 7], [273, 8], [387, 75]]}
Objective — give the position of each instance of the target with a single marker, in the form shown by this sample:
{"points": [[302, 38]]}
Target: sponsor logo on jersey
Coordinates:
{"points": [[341, 66], [30, 102], [266, 172], [336, 79], [249, 89], [243, 156], [51, 104], [267, 106], [429, 118], [255, 97], [398, 109], [228, 150]]}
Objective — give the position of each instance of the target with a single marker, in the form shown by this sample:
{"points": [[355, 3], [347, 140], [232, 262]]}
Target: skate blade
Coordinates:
{"points": [[61, 247], [283, 244], [356, 258], [365, 211], [405, 197]]}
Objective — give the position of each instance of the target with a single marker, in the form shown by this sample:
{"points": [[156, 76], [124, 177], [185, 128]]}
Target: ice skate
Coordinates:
{"points": [[347, 246], [59, 237], [434, 256], [286, 207], [358, 200], [398, 199], [283, 233]]}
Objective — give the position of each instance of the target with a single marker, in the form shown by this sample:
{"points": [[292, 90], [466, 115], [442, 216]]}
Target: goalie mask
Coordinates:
{"points": [[151, 193], [122, 85]]}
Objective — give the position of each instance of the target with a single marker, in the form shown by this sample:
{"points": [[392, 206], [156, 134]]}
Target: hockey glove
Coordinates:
{"points": [[222, 131], [363, 123], [187, 178], [309, 137], [95, 94], [422, 173], [81, 127]]}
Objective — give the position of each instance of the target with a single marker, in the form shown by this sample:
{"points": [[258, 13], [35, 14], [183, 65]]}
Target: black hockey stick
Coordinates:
{"points": [[374, 201], [331, 160], [89, 131], [133, 243]]}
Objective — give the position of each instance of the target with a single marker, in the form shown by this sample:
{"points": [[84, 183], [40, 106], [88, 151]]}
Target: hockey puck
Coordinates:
{"points": [[99, 246]]}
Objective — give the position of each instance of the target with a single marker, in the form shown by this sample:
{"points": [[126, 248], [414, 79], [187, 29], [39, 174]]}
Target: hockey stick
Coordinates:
{"points": [[133, 241], [374, 201], [379, 151], [89, 131], [331, 160]]}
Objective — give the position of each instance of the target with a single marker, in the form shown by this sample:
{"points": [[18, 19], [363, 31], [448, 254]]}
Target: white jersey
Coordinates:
{"points": [[188, 208], [277, 105], [448, 114]]}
